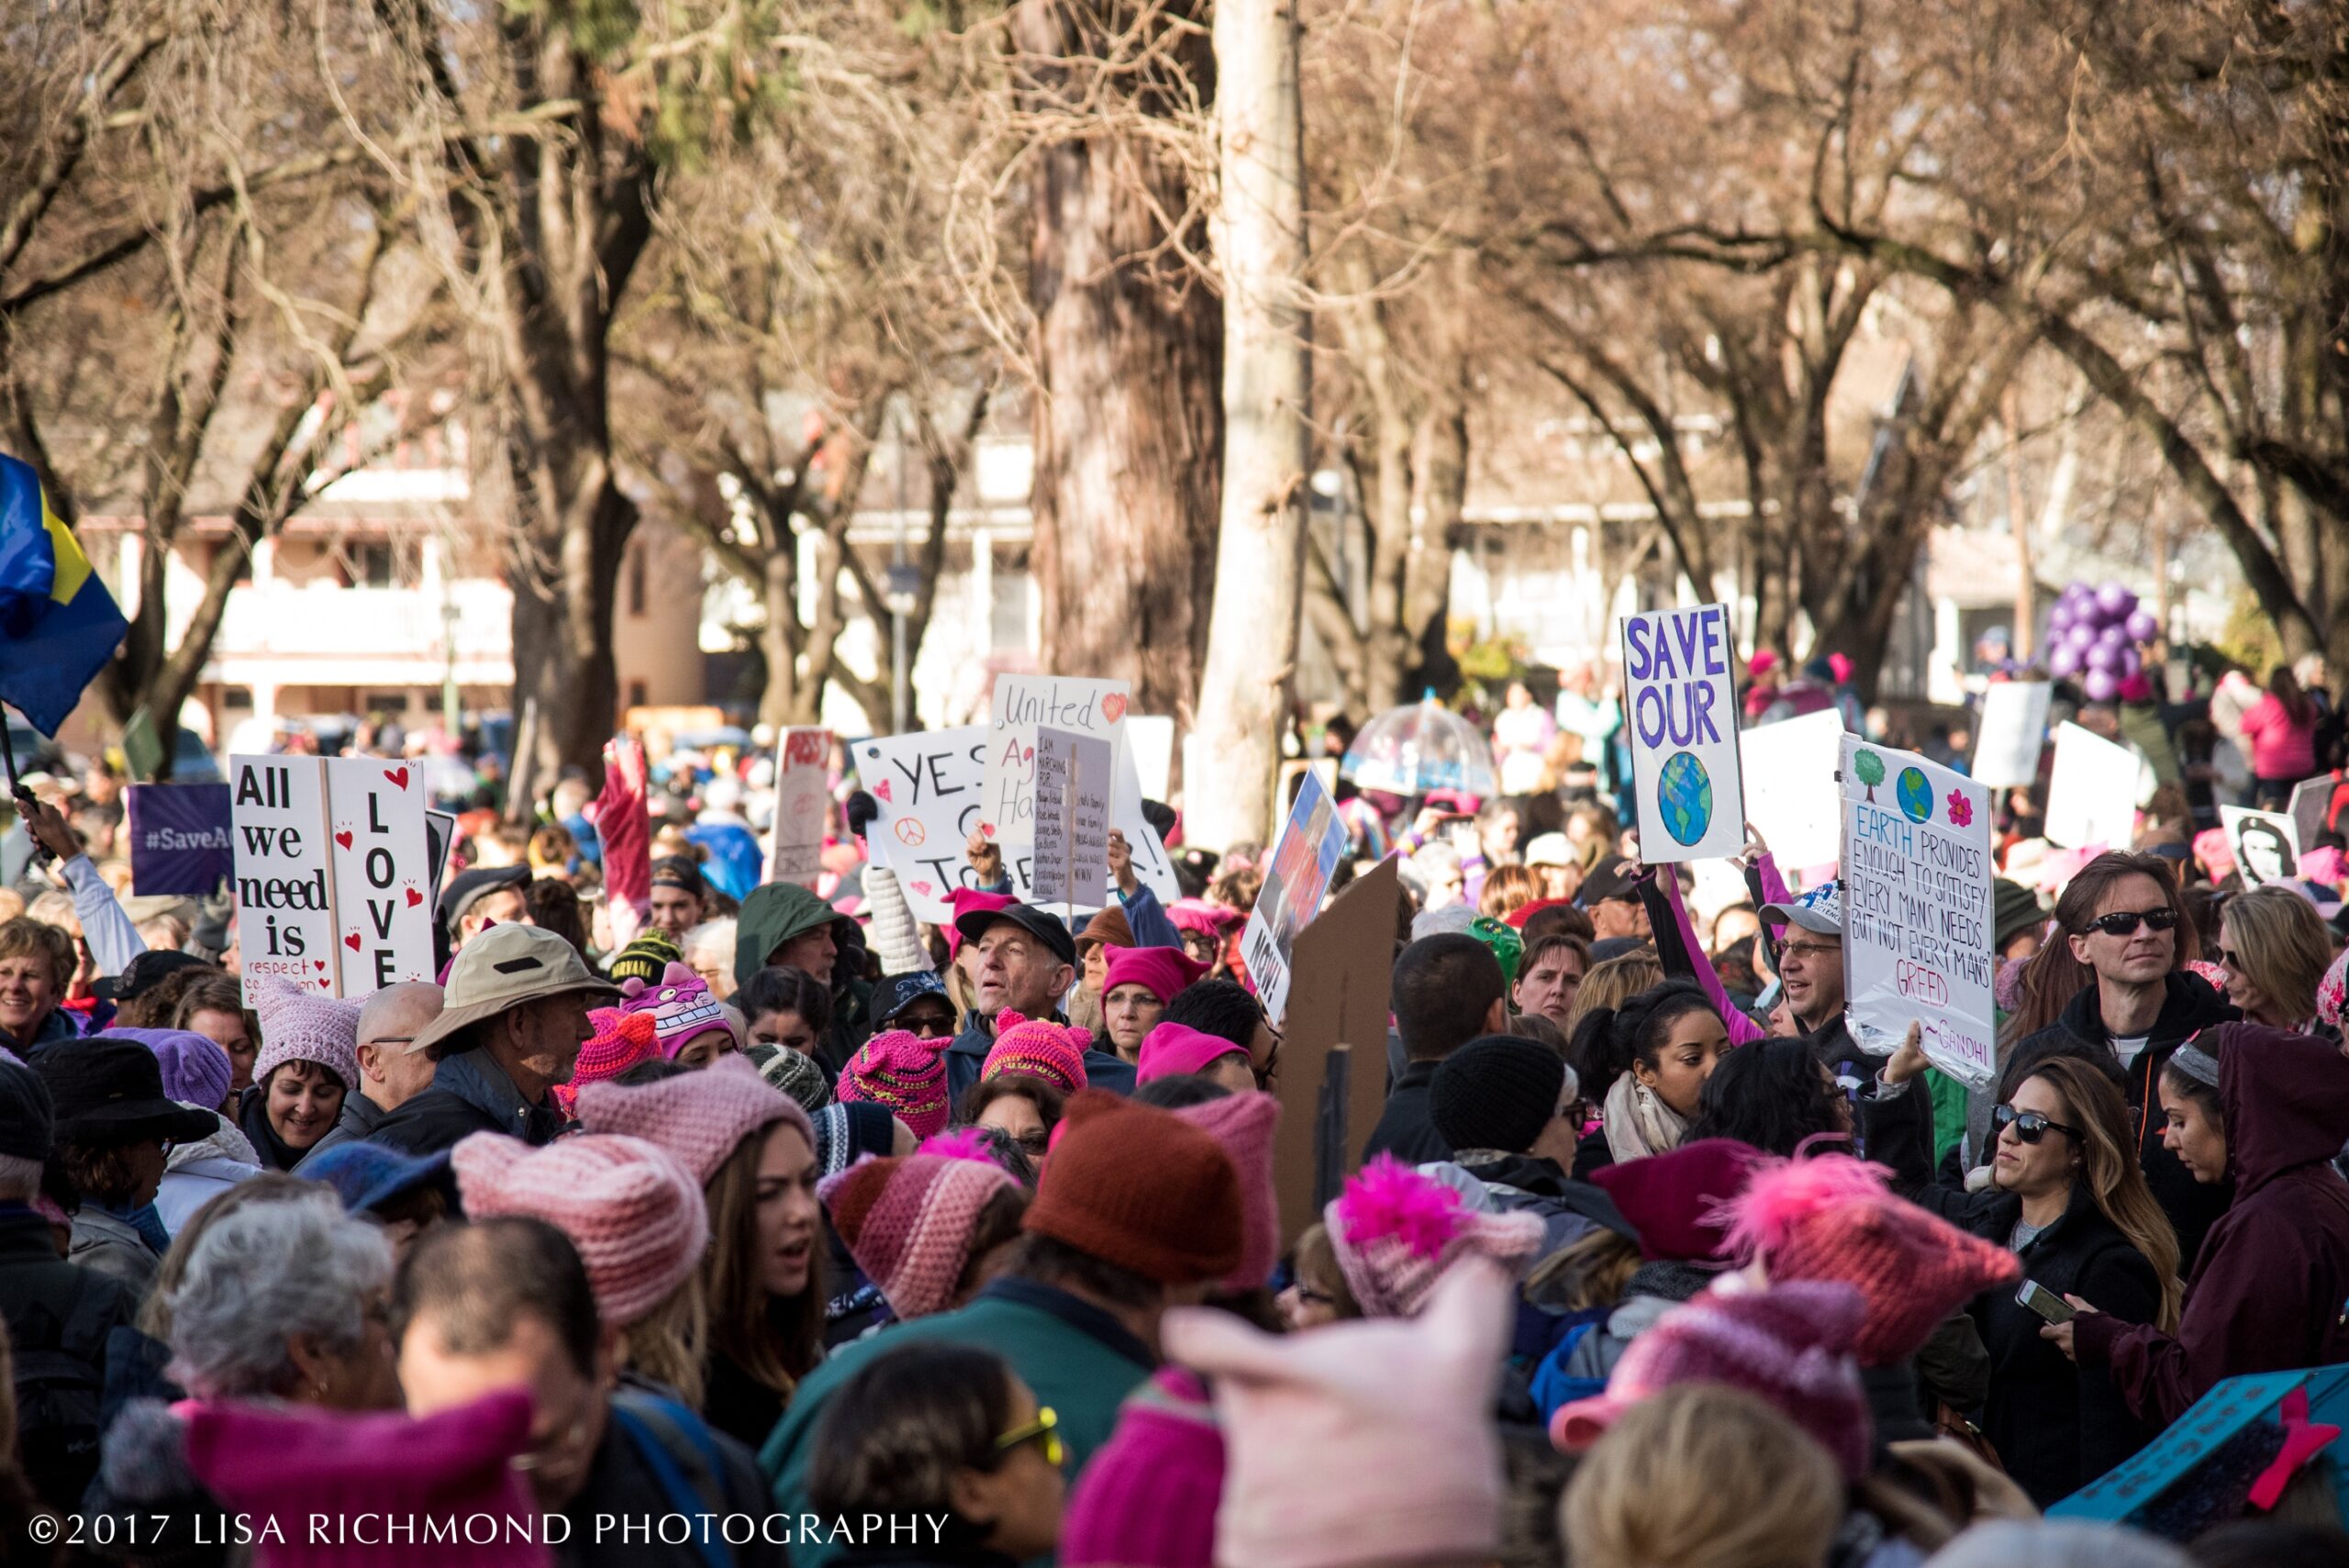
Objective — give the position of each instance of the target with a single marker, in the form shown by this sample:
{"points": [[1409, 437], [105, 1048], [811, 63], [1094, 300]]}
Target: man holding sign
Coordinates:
{"points": [[1680, 697]]}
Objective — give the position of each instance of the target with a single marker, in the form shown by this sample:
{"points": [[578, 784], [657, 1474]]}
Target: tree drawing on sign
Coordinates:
{"points": [[1870, 767]]}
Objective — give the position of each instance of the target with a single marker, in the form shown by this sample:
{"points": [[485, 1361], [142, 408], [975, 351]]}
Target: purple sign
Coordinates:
{"points": [[179, 838]]}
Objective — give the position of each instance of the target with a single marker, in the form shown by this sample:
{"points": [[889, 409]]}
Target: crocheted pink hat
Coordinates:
{"points": [[700, 1117], [1204, 916], [1038, 1048], [1396, 1232], [907, 1222], [1171, 1050], [298, 1027], [681, 1008], [1244, 1125], [635, 1214], [621, 1041], [1147, 1498], [903, 1071], [1165, 969]]}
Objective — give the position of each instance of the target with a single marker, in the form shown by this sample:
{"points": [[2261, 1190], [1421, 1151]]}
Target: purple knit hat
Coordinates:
{"points": [[682, 1009], [701, 1117], [907, 1222], [196, 1072], [1038, 1048], [636, 1215], [1395, 1233], [1147, 1497], [905, 1073], [298, 1027]]}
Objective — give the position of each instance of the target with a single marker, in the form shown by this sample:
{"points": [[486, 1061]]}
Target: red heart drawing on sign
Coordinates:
{"points": [[351, 941], [343, 837], [414, 898], [319, 962], [1029, 755], [881, 791], [986, 830], [923, 888], [398, 777], [324, 985], [1113, 707]]}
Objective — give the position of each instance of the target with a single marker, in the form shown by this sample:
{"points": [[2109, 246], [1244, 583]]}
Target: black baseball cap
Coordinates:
{"points": [[468, 888], [898, 992], [1608, 883], [143, 974], [1050, 929]]}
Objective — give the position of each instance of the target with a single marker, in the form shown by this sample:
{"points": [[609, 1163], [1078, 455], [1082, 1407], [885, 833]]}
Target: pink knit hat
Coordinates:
{"points": [[1147, 1498], [903, 1071], [1171, 1050], [681, 1008], [1165, 969], [635, 1214], [1396, 1232], [298, 1027], [1790, 1345], [1038, 1048], [1364, 1442], [1244, 1124], [700, 1117], [968, 900], [907, 1222], [621, 1041], [1204, 916]]}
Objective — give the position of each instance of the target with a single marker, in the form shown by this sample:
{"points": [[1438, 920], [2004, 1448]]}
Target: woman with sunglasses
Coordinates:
{"points": [[2274, 947], [947, 1444], [2067, 1195]]}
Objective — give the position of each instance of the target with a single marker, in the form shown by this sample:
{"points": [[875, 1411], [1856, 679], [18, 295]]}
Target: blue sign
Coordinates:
{"points": [[179, 838]]}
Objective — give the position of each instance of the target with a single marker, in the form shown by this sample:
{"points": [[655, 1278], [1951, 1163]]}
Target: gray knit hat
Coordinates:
{"points": [[2192, 1061], [798, 1075]]}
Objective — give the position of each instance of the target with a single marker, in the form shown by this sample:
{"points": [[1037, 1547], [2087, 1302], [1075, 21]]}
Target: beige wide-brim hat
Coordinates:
{"points": [[502, 969]]}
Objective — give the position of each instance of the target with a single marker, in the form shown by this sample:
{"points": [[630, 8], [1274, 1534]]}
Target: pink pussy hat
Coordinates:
{"points": [[636, 1215], [298, 1027], [1396, 1232], [701, 1117]]}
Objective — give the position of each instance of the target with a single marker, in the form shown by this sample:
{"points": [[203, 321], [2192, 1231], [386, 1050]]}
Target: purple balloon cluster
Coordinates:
{"points": [[2098, 635]]}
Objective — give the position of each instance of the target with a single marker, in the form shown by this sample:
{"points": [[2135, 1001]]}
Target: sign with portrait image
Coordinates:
{"points": [[2266, 844]]}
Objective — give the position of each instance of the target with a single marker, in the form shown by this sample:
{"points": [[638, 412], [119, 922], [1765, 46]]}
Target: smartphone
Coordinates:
{"points": [[2045, 1302]]}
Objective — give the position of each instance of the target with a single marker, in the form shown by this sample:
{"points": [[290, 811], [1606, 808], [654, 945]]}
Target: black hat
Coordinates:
{"points": [[25, 1120], [680, 871], [900, 991], [1607, 883], [111, 1090], [1050, 929], [470, 888], [1606, 948], [1498, 1092], [143, 974]]}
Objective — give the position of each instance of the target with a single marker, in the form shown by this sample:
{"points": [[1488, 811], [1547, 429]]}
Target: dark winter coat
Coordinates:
{"points": [[60, 1317], [470, 1094], [1407, 1127]]}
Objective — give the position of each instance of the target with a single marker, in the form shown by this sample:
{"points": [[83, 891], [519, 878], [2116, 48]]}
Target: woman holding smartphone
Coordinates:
{"points": [[2067, 1195]]}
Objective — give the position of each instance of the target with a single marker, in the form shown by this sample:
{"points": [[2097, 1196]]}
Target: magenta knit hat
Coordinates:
{"points": [[621, 1041], [1368, 1441], [907, 1222], [905, 1073], [1147, 1498], [298, 1027], [1396, 1232], [701, 1117], [1165, 969], [1169, 1050], [1244, 1125], [1040, 1048], [1790, 1345], [636, 1215], [681, 1008]]}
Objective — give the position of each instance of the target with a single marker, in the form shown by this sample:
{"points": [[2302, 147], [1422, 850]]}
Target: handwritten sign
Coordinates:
{"points": [[1680, 705], [383, 873], [802, 797], [1304, 857], [1916, 919], [2266, 844], [286, 924], [1074, 776], [2091, 791], [2011, 734], [2122, 1494], [1790, 768], [179, 838], [1095, 709]]}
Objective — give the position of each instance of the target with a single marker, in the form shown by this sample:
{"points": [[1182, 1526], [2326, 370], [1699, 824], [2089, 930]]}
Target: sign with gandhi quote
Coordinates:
{"points": [[1680, 703], [383, 873], [1071, 861], [286, 924]]}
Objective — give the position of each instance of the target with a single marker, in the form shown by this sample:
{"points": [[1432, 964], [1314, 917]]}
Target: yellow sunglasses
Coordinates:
{"points": [[1045, 1425]]}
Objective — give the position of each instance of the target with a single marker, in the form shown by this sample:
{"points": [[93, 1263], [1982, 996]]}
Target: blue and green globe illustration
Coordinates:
{"points": [[1916, 797], [1684, 792]]}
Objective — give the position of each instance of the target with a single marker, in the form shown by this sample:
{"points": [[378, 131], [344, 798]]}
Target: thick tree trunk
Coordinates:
{"points": [[565, 576]]}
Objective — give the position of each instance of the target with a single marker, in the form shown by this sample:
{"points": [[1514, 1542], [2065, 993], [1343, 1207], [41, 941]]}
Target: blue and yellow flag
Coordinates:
{"points": [[58, 624]]}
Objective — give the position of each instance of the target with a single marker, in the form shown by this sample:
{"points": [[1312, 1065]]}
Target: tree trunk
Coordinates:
{"points": [[780, 636], [565, 575], [1442, 497], [1252, 654], [1129, 433]]}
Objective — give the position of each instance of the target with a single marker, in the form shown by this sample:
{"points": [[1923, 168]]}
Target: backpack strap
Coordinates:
{"points": [[685, 1458]]}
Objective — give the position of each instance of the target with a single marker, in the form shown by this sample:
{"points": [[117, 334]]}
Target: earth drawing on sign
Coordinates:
{"points": [[1916, 797], [1684, 794]]}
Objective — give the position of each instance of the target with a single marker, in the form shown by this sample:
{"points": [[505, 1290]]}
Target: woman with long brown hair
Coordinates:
{"points": [[2067, 1195]]}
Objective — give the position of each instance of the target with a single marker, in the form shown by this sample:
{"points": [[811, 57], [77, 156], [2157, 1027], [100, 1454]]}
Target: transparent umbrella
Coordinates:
{"points": [[1420, 747]]}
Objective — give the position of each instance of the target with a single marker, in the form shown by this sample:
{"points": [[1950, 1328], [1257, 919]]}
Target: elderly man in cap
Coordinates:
{"points": [[1023, 959], [1612, 894], [390, 1076], [512, 1021]]}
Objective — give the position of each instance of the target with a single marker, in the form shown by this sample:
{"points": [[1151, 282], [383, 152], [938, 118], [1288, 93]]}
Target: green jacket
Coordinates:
{"points": [[772, 914]]}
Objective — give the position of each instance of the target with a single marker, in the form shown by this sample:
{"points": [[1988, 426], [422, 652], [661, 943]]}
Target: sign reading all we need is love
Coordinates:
{"points": [[1680, 703]]}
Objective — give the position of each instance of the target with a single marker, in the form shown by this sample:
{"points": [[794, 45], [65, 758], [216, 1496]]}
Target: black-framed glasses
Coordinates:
{"points": [[1046, 1426], [2124, 922], [2030, 1126]]}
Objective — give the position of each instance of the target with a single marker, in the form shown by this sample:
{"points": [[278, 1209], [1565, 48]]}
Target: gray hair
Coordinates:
{"points": [[262, 1277], [714, 937], [19, 1179], [2007, 1543]]}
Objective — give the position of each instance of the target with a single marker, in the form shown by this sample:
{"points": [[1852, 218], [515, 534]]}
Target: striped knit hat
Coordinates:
{"points": [[797, 1074], [847, 1132], [635, 1214], [621, 1041], [905, 1073], [1396, 1232], [1038, 1048], [907, 1222]]}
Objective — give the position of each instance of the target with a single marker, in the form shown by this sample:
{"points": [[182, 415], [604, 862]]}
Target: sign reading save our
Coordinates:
{"points": [[1680, 699]]}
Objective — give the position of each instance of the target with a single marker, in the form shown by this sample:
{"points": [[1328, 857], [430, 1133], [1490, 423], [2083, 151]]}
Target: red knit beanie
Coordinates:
{"points": [[1140, 1188], [621, 1041], [1673, 1199]]}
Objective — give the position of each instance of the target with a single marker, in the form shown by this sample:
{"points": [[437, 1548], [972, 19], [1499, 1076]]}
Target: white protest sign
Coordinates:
{"points": [[1790, 774], [2311, 800], [1313, 839], [1680, 702], [1917, 909], [802, 798], [1074, 776], [285, 924], [382, 873], [1096, 709], [2091, 791], [2011, 733], [1150, 740], [2266, 844]]}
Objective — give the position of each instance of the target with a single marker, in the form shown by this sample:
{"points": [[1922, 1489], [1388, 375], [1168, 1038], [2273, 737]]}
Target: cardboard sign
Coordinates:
{"points": [[286, 924], [1312, 841], [1331, 1076], [2091, 791], [180, 839], [2311, 800], [1073, 777], [1095, 709], [1917, 909], [802, 797], [2266, 844], [1789, 775], [383, 873], [2125, 1493], [1680, 708], [2011, 733]]}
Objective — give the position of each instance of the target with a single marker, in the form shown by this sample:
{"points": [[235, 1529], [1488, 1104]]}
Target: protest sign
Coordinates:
{"points": [[440, 837], [1096, 709], [2010, 734], [1917, 915], [1150, 740], [2128, 1492], [1312, 841], [2266, 844], [1680, 706], [2311, 802], [1073, 777], [1788, 767], [383, 873], [802, 796], [1332, 1070], [285, 924], [179, 838], [2091, 791]]}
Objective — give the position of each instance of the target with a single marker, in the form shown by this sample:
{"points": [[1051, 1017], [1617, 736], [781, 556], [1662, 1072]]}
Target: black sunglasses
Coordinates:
{"points": [[2124, 922], [2030, 1126]]}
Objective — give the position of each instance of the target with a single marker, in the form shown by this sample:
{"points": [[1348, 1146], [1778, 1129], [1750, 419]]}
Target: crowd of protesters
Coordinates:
{"points": [[694, 1218]]}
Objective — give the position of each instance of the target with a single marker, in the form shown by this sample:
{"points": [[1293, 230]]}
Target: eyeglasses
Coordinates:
{"points": [[1806, 950], [2124, 922], [1039, 1142], [1045, 1425], [2030, 1126]]}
